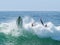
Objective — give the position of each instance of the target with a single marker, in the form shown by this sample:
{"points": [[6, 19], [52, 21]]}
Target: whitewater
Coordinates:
{"points": [[38, 29]]}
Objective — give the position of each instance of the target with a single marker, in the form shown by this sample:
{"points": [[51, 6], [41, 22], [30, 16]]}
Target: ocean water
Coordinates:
{"points": [[10, 34]]}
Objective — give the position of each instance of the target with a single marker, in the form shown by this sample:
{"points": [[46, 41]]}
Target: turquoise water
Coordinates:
{"points": [[10, 34]]}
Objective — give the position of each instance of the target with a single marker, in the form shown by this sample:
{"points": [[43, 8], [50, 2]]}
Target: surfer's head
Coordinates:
{"points": [[19, 17], [45, 25]]}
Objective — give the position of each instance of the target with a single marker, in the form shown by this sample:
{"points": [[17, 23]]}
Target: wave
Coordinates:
{"points": [[11, 28]]}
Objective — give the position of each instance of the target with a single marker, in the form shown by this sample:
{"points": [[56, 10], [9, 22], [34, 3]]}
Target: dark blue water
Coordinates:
{"points": [[45, 15]]}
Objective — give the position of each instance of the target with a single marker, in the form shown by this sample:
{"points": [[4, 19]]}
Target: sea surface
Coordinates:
{"points": [[37, 34]]}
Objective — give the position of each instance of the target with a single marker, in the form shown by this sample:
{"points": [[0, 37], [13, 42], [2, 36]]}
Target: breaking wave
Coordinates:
{"points": [[51, 31]]}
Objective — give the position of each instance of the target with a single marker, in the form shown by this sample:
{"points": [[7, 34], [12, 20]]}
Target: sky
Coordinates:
{"points": [[29, 5]]}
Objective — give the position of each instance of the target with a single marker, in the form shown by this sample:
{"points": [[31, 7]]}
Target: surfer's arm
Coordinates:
{"points": [[41, 21]]}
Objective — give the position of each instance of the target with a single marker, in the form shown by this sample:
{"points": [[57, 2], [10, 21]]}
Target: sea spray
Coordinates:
{"points": [[38, 29]]}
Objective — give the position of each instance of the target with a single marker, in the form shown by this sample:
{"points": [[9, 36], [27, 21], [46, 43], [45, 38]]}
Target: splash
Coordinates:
{"points": [[38, 29]]}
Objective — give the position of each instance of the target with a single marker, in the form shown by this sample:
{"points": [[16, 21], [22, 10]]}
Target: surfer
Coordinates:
{"points": [[19, 22], [43, 23]]}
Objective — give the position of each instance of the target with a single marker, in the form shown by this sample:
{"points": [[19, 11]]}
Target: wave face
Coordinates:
{"points": [[10, 34]]}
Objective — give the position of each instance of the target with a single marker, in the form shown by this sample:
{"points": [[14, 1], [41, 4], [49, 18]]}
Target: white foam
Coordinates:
{"points": [[50, 31], [10, 28]]}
